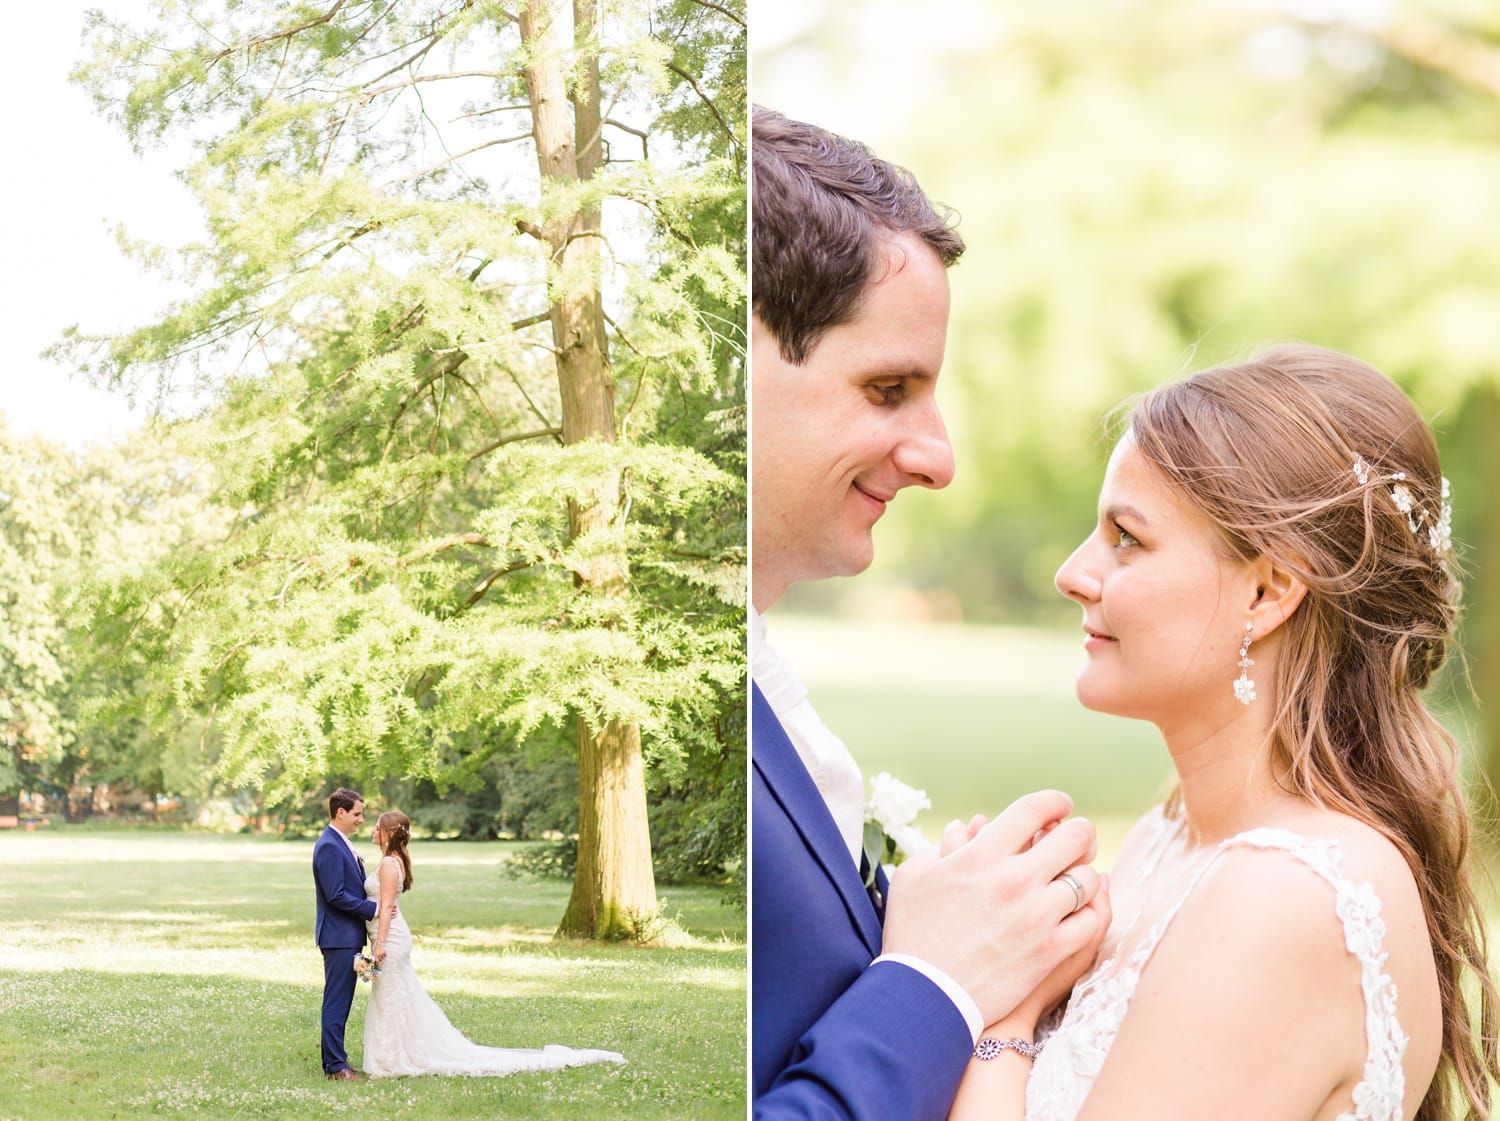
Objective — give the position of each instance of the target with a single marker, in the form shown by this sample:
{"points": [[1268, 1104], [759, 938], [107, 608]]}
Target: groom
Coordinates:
{"points": [[866, 1004], [339, 877]]}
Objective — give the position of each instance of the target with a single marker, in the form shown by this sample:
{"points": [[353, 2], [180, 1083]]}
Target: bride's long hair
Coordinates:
{"points": [[395, 829], [1308, 456]]}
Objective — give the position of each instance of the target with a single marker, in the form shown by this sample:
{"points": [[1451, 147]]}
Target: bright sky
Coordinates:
{"points": [[70, 178], [886, 67]]}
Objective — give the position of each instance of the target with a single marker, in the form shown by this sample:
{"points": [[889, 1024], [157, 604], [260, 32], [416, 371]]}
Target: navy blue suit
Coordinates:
{"points": [[832, 1036], [339, 877]]}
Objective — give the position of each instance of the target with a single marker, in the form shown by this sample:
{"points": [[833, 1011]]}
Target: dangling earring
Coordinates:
{"points": [[1244, 688]]}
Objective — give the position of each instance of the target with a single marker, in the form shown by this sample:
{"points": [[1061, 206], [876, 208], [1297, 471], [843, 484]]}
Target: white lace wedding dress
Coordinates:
{"points": [[407, 1033], [1075, 1049]]}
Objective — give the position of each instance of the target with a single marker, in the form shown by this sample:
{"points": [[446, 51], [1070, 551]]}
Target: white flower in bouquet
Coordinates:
{"points": [[890, 814]]}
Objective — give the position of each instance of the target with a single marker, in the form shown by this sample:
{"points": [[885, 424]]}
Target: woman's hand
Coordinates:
{"points": [[1059, 983]]}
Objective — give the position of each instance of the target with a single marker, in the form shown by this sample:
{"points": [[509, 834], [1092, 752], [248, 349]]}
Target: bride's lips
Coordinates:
{"points": [[1096, 639]]}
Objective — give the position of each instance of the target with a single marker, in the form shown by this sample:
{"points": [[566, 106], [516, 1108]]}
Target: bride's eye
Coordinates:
{"points": [[1123, 537]]}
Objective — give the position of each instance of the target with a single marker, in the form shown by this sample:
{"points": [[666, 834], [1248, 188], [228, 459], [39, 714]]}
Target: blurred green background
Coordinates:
{"points": [[1146, 189]]}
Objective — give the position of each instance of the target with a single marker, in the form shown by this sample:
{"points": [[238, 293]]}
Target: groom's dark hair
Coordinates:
{"points": [[343, 799], [821, 207]]}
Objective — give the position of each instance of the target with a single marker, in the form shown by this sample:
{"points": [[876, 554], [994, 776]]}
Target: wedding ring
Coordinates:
{"points": [[1072, 881]]}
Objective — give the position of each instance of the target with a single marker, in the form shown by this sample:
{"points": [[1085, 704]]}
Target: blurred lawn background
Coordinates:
{"points": [[978, 715]]}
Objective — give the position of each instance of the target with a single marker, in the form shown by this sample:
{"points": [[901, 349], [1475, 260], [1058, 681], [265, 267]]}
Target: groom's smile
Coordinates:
{"points": [[838, 434]]}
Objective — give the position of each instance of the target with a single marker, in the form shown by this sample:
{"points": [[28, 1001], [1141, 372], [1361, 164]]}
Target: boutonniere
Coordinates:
{"points": [[890, 836]]}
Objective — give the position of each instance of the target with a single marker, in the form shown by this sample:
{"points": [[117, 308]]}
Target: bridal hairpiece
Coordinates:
{"points": [[1437, 532]]}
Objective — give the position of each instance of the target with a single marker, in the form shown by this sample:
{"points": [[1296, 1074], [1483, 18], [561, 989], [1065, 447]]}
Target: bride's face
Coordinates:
{"points": [[1164, 609]]}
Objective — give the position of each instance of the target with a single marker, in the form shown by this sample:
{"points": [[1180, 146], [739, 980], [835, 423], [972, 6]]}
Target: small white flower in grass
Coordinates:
{"points": [[890, 812]]}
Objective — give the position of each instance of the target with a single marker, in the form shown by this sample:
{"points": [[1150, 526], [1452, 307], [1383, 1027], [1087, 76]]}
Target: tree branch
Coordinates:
{"points": [[442, 545], [645, 153], [287, 33], [440, 366], [517, 438], [1437, 48], [483, 587], [349, 239], [460, 155], [487, 112], [432, 41], [416, 79], [703, 97], [720, 9]]}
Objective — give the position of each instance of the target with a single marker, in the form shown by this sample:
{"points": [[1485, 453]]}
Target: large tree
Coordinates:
{"points": [[464, 332]]}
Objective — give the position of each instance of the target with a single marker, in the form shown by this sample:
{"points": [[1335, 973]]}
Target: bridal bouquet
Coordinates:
{"points": [[366, 966]]}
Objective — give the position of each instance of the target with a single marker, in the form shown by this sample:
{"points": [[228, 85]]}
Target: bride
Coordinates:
{"points": [[1295, 935], [405, 1031]]}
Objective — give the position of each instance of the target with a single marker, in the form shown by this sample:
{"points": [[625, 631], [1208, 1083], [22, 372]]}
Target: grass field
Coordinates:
{"points": [[146, 974]]}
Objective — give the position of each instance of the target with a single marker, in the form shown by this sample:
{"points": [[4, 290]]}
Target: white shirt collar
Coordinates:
{"points": [[826, 757]]}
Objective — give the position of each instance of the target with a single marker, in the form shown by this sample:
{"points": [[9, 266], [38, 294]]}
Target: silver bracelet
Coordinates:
{"points": [[989, 1048]]}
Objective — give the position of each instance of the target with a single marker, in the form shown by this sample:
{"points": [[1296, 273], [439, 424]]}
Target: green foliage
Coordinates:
{"points": [[397, 592], [69, 521], [34, 547]]}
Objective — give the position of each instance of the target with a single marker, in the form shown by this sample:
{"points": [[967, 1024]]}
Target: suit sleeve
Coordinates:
{"points": [[891, 1048], [335, 886]]}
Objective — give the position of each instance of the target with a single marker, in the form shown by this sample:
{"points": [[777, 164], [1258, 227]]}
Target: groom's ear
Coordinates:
{"points": [[1278, 593]]}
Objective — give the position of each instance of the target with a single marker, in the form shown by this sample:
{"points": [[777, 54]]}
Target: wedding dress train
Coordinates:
{"points": [[406, 1032]]}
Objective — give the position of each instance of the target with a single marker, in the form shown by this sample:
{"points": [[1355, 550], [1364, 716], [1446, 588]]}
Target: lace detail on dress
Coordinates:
{"points": [[1078, 1043], [407, 1033]]}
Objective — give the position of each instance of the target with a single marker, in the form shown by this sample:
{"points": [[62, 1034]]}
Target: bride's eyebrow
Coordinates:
{"points": [[1120, 510]]}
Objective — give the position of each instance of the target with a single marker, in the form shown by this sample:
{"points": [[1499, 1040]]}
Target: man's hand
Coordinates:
{"points": [[393, 909], [988, 909]]}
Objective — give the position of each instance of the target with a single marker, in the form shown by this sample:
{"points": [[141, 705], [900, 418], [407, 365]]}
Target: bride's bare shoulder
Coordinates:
{"points": [[1365, 855]]}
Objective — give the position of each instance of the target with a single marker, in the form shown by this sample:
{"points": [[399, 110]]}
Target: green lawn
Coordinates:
{"points": [[146, 974]]}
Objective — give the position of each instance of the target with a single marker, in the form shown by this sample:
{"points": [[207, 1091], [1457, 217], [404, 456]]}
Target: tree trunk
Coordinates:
{"points": [[1486, 627], [614, 893]]}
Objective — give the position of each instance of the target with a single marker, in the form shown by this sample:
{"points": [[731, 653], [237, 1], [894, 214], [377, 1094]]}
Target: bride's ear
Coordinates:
{"points": [[1278, 592]]}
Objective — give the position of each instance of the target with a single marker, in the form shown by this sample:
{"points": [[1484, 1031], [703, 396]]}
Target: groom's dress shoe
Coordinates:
{"points": [[348, 1074]]}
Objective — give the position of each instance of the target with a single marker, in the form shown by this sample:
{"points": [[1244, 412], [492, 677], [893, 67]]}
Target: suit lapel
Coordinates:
{"points": [[782, 770]]}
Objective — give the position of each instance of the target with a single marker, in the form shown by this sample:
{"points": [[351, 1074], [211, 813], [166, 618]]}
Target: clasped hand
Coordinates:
{"points": [[987, 906]]}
